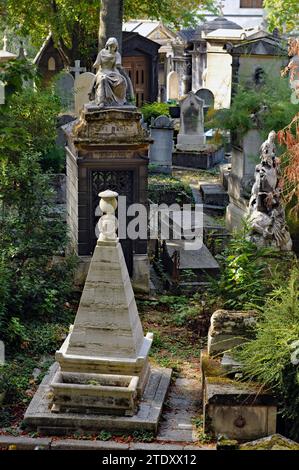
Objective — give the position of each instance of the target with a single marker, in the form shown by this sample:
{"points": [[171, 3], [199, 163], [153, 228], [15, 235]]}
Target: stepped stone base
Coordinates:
{"points": [[39, 416]]}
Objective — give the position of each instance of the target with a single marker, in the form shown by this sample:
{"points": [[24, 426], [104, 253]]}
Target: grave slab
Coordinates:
{"points": [[39, 417], [214, 194], [237, 410]]}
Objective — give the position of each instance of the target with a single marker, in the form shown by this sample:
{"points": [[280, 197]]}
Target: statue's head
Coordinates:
{"points": [[112, 43]]}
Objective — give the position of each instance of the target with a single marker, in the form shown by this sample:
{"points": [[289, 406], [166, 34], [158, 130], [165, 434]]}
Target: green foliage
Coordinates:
{"points": [[104, 436], [203, 437], [246, 273], [32, 283], [15, 377], [143, 436], [275, 95], [282, 15], [72, 22], [154, 110], [267, 358], [44, 338], [169, 190], [28, 119]]}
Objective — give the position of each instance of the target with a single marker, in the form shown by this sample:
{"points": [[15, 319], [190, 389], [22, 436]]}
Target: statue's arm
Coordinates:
{"points": [[98, 61]]}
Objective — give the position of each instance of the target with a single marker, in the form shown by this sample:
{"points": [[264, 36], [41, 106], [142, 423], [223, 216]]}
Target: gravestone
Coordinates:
{"points": [[207, 96], [229, 329], [83, 84], [191, 136], [160, 151], [245, 156], [2, 353], [172, 86], [64, 87], [103, 379]]}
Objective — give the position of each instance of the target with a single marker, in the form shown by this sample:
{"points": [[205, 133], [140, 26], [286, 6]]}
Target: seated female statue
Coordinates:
{"points": [[111, 86]]}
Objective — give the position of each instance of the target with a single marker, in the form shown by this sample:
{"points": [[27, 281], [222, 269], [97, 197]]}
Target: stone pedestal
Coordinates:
{"points": [[107, 147], [245, 156], [160, 152]]}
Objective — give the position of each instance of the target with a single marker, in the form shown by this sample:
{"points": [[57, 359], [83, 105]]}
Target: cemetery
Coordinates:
{"points": [[149, 226]]}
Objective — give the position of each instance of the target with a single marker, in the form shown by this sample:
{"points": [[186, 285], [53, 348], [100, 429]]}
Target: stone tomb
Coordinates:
{"points": [[160, 152], [237, 410], [103, 366], [191, 136], [192, 150], [107, 147], [233, 408]]}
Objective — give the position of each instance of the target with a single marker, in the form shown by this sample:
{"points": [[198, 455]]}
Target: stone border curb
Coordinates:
{"points": [[30, 443]]}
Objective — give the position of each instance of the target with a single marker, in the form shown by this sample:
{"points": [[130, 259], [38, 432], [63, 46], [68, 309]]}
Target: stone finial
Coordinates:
{"points": [[5, 43], [108, 222]]}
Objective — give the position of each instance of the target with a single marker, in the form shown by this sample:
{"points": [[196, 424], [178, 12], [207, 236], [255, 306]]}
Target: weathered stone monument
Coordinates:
{"points": [[107, 147], [245, 152], [172, 86], [160, 152], [191, 135], [192, 150], [266, 213], [207, 97], [83, 83], [64, 86], [236, 409], [102, 378]]}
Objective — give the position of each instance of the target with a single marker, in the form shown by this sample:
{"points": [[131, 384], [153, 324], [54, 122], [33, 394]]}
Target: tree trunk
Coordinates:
{"points": [[111, 18]]}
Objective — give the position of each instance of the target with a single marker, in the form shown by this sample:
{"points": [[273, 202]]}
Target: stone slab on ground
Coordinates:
{"points": [[28, 443], [198, 260], [39, 417], [80, 444], [183, 404], [24, 443], [214, 194]]}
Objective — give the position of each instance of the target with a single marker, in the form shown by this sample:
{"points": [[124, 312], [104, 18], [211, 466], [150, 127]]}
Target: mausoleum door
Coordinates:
{"points": [[138, 71]]}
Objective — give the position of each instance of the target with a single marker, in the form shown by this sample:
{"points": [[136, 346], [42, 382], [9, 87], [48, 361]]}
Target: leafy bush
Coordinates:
{"points": [[275, 95], [28, 119], [33, 285], [169, 190], [267, 358], [248, 273], [154, 110], [15, 377]]}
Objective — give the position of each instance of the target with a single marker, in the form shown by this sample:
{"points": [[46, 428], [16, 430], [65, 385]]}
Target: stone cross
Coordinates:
{"points": [[77, 69]]}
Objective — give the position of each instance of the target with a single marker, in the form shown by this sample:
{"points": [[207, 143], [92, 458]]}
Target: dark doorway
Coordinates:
{"points": [[138, 71]]}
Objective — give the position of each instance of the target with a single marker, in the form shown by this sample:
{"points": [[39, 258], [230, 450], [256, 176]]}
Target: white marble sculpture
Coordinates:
{"points": [[266, 213]]}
